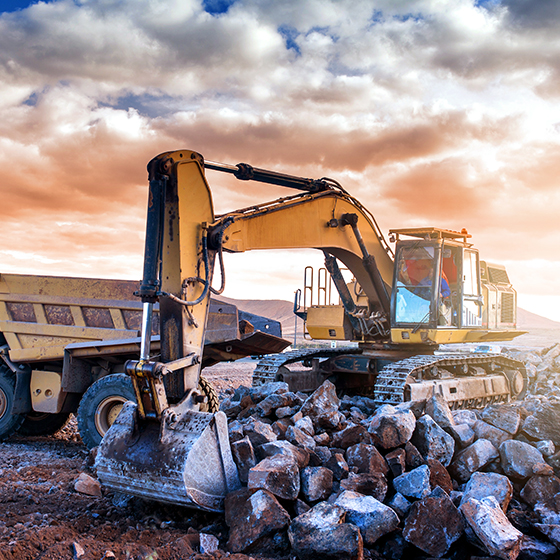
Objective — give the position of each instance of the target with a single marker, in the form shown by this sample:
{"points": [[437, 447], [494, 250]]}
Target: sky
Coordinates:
{"points": [[431, 112]]}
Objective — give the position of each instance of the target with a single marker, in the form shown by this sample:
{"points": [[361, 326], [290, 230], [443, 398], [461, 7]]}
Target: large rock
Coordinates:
{"points": [[277, 400], [539, 489], [465, 416], [543, 424], [519, 459], [390, 427], [322, 533], [413, 457], [439, 476], [373, 518], [400, 505], [550, 531], [259, 432], [279, 474], [322, 406], [439, 410], [305, 424], [252, 515], [338, 465], [299, 438], [262, 391], [316, 483], [475, 457], [506, 418], [351, 435], [370, 484], [244, 457], [86, 484], [396, 460], [483, 430], [366, 459], [283, 447], [549, 510], [463, 435], [491, 526], [414, 484], [433, 525], [432, 441], [481, 485]]}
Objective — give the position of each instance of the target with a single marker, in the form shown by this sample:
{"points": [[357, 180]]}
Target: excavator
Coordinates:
{"points": [[397, 310]]}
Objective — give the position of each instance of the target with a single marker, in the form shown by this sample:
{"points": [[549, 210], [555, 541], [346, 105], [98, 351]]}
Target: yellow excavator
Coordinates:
{"points": [[399, 308]]}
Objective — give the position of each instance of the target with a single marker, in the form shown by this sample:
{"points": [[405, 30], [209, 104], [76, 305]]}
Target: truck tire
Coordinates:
{"points": [[103, 401], [212, 403], [9, 422], [43, 423], [100, 406]]}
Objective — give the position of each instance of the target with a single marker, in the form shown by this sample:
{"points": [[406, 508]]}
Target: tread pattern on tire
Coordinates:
{"points": [[209, 392]]}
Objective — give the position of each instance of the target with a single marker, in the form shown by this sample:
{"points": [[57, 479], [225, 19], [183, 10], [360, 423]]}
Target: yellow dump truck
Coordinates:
{"points": [[64, 343]]}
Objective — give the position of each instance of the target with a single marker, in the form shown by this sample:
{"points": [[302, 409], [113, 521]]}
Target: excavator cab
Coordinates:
{"points": [[436, 285]]}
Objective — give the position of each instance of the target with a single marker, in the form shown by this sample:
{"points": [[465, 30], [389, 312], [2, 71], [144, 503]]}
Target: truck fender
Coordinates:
{"points": [[22, 396]]}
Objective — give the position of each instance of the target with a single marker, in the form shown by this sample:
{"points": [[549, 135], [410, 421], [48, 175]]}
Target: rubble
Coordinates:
{"points": [[316, 483], [373, 518], [491, 526], [519, 459], [416, 475], [432, 441], [390, 427], [322, 532], [279, 474], [252, 515], [342, 479], [86, 484], [482, 484], [433, 525]]}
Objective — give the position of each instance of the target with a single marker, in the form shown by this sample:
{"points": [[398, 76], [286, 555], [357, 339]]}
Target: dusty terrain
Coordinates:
{"points": [[43, 517]]}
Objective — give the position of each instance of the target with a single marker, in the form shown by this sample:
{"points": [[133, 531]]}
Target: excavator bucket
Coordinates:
{"points": [[186, 462]]}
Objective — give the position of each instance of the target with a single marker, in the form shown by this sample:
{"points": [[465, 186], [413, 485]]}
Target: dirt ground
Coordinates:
{"points": [[43, 517]]}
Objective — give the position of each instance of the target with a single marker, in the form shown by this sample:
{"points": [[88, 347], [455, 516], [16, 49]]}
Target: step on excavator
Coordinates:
{"points": [[399, 308]]}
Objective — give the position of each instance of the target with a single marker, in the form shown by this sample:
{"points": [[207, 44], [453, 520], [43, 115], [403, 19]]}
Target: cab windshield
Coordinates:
{"points": [[417, 267]]}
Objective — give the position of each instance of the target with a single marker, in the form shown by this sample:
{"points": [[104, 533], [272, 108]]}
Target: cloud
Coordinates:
{"points": [[430, 113]]}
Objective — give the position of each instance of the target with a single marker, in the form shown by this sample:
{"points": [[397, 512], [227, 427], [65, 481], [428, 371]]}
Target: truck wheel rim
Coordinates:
{"points": [[3, 403], [107, 412]]}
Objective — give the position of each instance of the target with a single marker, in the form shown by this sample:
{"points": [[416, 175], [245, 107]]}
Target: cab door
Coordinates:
{"points": [[471, 304]]}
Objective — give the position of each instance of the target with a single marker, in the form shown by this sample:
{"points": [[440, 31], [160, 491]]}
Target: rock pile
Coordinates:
{"points": [[332, 478], [543, 369]]}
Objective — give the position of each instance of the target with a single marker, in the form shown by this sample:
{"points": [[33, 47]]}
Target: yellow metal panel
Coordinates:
{"points": [[326, 323], [46, 391], [77, 315], [65, 331], [38, 354], [450, 336], [40, 313], [12, 340], [118, 319]]}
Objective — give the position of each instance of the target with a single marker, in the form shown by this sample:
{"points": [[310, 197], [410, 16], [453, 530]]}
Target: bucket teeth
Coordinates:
{"points": [[187, 462]]}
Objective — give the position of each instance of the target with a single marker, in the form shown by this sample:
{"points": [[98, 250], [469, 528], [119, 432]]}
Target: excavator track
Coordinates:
{"points": [[269, 366], [392, 379], [493, 371]]}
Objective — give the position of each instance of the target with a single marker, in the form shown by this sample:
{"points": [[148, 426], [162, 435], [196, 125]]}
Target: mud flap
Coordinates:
{"points": [[186, 462]]}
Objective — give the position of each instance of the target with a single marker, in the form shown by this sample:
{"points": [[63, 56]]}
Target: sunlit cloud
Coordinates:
{"points": [[431, 113]]}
